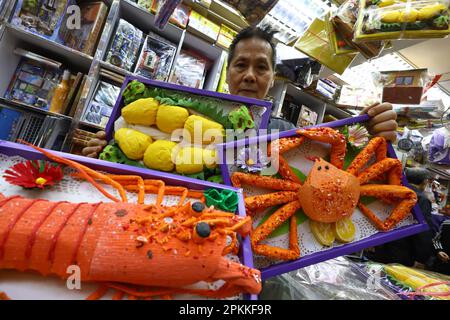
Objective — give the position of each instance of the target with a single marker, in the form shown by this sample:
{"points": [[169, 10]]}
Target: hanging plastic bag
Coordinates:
{"points": [[397, 19], [315, 44]]}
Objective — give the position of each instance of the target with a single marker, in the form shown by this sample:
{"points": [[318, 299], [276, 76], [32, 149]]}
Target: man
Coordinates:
{"points": [[251, 73]]}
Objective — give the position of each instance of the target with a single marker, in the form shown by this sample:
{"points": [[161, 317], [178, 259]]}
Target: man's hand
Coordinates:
{"points": [[383, 120], [95, 145]]}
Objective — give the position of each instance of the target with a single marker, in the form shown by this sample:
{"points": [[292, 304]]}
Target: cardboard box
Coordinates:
{"points": [[226, 36]]}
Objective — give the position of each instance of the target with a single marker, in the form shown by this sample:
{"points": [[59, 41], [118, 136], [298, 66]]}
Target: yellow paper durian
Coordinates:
{"points": [[158, 155], [170, 118], [429, 12], [385, 3], [190, 160], [132, 143], [210, 131], [142, 111], [408, 16], [390, 16]]}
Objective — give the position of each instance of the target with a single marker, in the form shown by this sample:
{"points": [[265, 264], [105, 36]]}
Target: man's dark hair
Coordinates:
{"points": [[416, 175], [265, 34]]}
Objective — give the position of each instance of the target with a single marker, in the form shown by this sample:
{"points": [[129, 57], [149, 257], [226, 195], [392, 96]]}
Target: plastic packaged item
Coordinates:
{"points": [[33, 83], [60, 94], [382, 20], [336, 279], [156, 58], [42, 17], [338, 44], [315, 44], [253, 10], [125, 46], [410, 283], [85, 38], [344, 20], [203, 27], [164, 11], [180, 15], [439, 149], [99, 109], [189, 70]]}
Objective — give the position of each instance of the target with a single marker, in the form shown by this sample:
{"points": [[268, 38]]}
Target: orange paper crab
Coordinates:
{"points": [[329, 193]]}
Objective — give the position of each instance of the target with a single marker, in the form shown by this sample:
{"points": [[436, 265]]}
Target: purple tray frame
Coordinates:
{"points": [[115, 113], [245, 254], [376, 239]]}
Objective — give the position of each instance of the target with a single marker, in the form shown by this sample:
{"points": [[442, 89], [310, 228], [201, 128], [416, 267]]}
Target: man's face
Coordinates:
{"points": [[250, 73]]}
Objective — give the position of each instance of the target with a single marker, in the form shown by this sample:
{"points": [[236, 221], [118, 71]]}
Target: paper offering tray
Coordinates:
{"points": [[301, 160], [260, 109], [19, 285]]}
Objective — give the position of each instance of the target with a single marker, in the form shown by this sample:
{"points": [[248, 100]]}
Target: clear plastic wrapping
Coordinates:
{"points": [[125, 45], [336, 279], [344, 20], [398, 19]]}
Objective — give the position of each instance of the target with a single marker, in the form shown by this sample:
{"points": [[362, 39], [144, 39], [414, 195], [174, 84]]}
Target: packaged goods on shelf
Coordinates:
{"points": [[395, 19], [189, 69], [179, 17], [85, 38], [156, 58], [226, 36], [201, 26], [42, 17], [125, 46], [33, 83], [403, 87], [99, 109]]}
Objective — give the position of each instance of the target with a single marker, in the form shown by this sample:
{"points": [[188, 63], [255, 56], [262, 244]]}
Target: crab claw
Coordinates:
{"points": [[331, 136]]}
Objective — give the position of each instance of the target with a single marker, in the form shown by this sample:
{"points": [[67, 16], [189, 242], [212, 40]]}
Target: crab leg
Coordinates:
{"points": [[274, 221], [392, 166], [269, 200], [408, 199], [331, 136], [239, 178], [285, 144], [377, 146], [286, 172]]}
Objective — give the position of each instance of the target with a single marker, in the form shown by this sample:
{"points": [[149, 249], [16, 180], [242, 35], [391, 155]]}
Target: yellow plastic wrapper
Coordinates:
{"points": [[142, 111], [190, 160], [210, 131], [402, 20], [158, 155], [425, 283], [315, 44], [133, 143], [170, 118]]}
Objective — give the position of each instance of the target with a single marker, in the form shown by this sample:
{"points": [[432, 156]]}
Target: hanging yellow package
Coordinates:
{"points": [[315, 44], [402, 20]]}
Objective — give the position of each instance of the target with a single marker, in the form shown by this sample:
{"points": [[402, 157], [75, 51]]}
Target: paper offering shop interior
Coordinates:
{"points": [[332, 187], [117, 233]]}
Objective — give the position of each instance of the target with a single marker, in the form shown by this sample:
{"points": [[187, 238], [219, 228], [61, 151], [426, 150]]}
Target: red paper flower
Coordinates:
{"points": [[34, 174]]}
